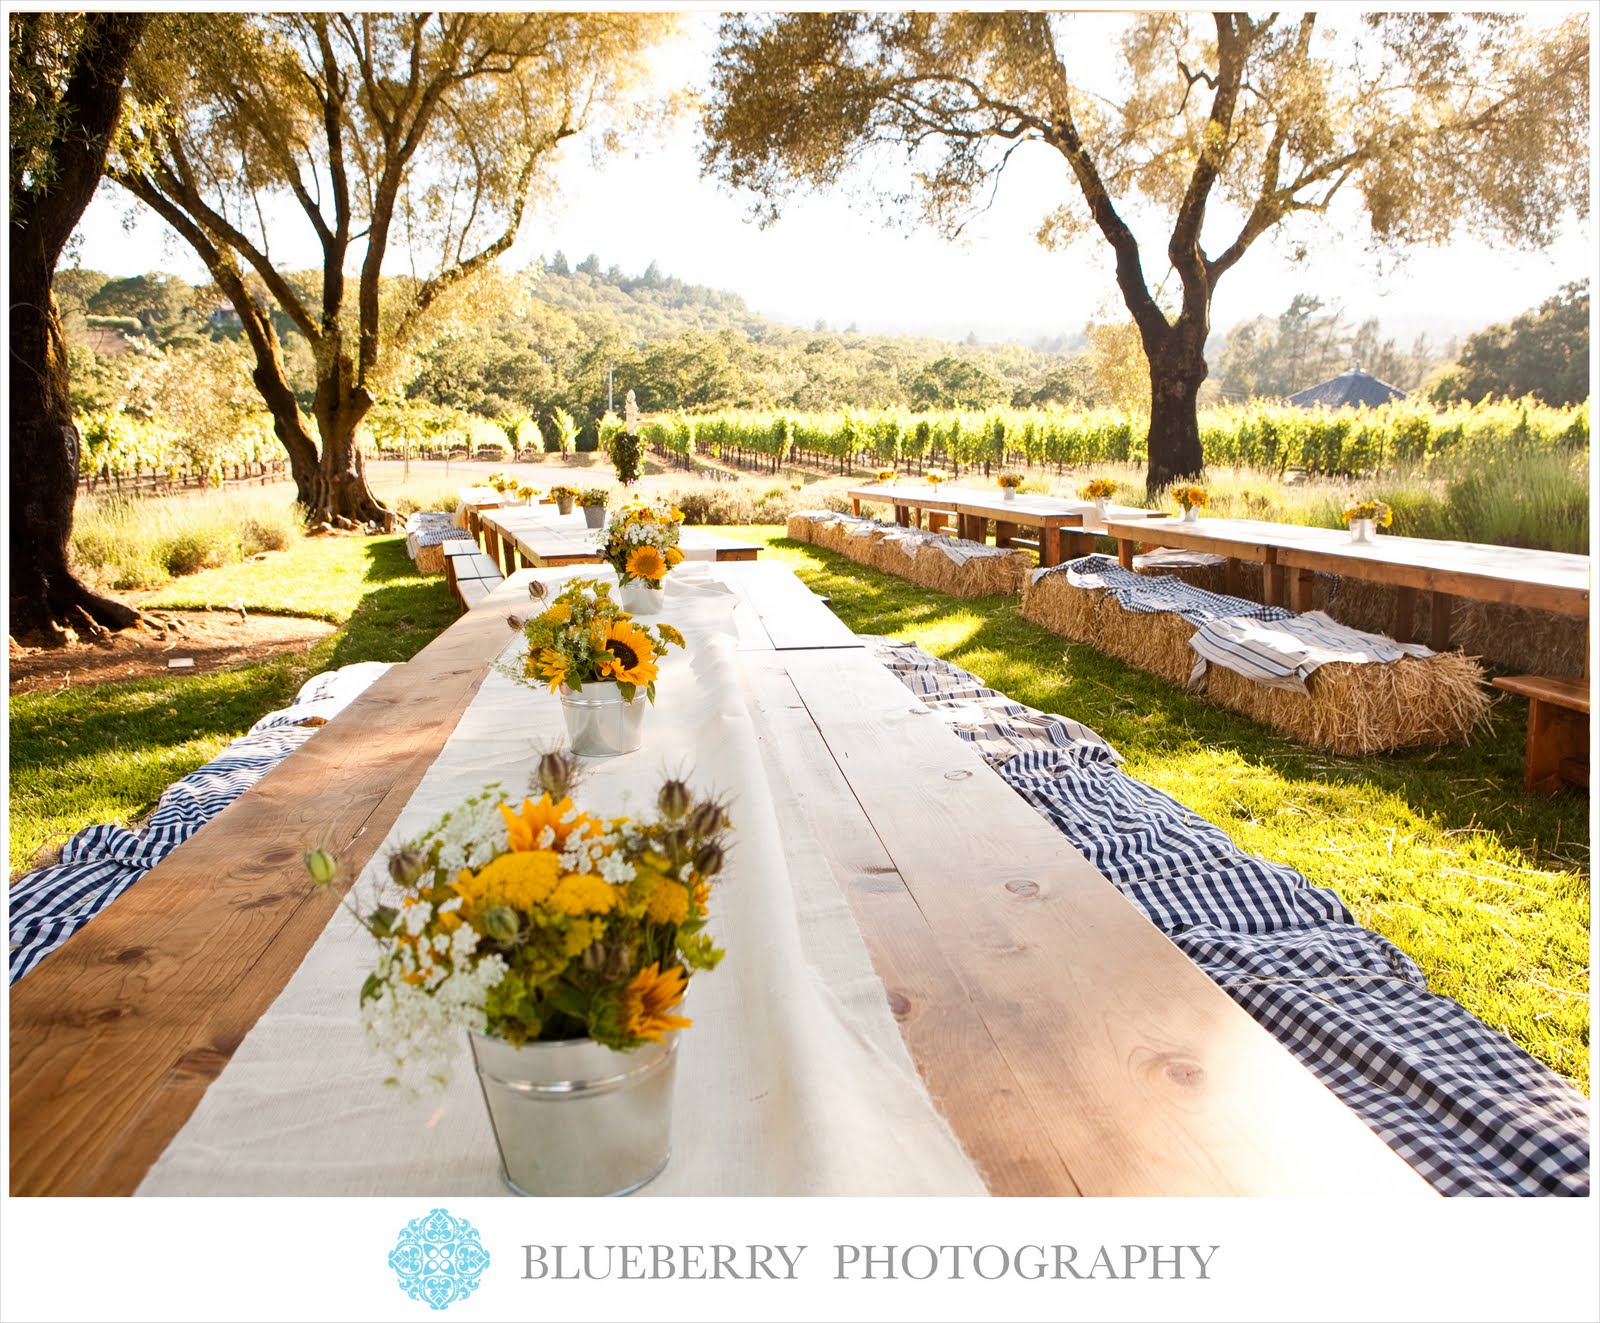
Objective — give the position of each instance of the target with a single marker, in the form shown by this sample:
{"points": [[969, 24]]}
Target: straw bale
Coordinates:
{"points": [[1371, 707], [1156, 643], [802, 527], [1073, 613], [1519, 638], [981, 576], [430, 560]]}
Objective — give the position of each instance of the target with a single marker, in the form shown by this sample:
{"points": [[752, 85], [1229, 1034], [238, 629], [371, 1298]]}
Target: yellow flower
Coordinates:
{"points": [[648, 998], [670, 635], [522, 879], [645, 562], [674, 556], [550, 666], [558, 614], [578, 894], [627, 654], [669, 903], [524, 828]]}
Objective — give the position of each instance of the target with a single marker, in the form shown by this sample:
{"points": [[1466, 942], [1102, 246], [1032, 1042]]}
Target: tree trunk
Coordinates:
{"points": [[339, 487], [46, 597], [1173, 447]]}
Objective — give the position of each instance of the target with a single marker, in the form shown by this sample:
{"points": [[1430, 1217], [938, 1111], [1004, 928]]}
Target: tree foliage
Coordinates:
{"points": [[414, 139], [1543, 353], [1226, 126]]}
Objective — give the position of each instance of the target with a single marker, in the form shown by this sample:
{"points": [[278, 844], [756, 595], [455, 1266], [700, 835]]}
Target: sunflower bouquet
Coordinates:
{"points": [[538, 922], [1098, 489], [1011, 480], [585, 636], [641, 541], [1377, 511], [1190, 498], [885, 475], [935, 476]]}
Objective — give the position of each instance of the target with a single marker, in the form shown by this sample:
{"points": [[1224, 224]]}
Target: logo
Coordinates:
{"points": [[439, 1259]]}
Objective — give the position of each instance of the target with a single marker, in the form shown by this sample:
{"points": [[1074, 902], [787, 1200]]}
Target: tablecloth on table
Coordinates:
{"points": [[793, 1079]]}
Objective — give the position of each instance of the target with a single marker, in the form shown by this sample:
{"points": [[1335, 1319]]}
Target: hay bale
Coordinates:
{"points": [[1063, 609], [979, 576], [1519, 638], [802, 526], [1366, 707], [430, 559], [1157, 643]]}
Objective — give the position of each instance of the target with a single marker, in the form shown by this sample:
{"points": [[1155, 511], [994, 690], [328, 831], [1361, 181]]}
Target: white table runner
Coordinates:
{"points": [[793, 1079]]}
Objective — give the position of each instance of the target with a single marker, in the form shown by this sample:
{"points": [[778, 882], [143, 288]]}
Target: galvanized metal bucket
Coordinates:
{"points": [[594, 515], [640, 599], [600, 724], [577, 1118], [1363, 530]]}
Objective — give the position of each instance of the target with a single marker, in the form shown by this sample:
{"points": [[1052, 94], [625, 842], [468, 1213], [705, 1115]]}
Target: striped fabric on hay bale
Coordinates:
{"points": [[1062, 608], [1366, 707]]}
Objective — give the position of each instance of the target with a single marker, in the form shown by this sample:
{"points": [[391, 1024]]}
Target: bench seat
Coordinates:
{"points": [[1558, 730]]}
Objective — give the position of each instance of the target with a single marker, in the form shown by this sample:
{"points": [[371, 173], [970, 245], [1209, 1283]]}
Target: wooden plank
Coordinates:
{"points": [[1150, 1080], [1560, 690], [115, 1036], [964, 1072], [1439, 605], [791, 615]]}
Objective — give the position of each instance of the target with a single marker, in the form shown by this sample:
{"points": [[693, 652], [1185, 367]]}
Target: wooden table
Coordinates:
{"points": [[1545, 580], [1072, 1048], [1066, 529], [538, 538]]}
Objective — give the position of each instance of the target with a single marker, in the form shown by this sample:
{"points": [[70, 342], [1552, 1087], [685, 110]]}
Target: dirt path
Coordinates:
{"points": [[211, 640]]}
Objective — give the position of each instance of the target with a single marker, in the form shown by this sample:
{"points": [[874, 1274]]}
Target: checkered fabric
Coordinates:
{"points": [[1156, 594], [1471, 1111], [99, 863]]}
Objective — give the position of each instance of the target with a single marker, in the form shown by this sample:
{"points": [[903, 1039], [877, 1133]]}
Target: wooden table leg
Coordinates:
{"points": [[855, 506], [1556, 736], [1125, 552], [1439, 622], [1405, 614], [1230, 576], [1272, 585], [1075, 544], [1049, 546], [1301, 601]]}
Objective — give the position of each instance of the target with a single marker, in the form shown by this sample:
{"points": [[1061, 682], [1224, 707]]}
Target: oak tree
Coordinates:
{"points": [[66, 91], [414, 140], [1224, 126]]}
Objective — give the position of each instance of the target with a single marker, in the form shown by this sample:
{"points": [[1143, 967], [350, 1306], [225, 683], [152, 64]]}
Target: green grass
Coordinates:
{"points": [[104, 753], [1437, 850]]}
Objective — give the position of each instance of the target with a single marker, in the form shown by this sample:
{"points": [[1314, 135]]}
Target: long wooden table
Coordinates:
{"points": [[1066, 529], [1071, 1047], [534, 537], [1544, 580]]}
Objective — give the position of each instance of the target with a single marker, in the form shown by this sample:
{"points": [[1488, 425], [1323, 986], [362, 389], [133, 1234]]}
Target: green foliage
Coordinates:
{"points": [[1543, 355]]}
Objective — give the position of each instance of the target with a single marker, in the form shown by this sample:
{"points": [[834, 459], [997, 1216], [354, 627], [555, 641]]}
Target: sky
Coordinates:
{"points": [[829, 259]]}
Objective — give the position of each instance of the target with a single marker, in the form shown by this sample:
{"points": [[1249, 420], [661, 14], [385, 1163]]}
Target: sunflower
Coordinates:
{"points": [[550, 666], [524, 828], [647, 1001], [645, 562], [627, 654], [674, 556]]}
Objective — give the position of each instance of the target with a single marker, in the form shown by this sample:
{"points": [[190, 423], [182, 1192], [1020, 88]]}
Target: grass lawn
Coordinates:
{"points": [[104, 753], [1438, 850]]}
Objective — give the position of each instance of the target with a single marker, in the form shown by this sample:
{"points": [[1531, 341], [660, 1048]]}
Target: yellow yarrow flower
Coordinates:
{"points": [[522, 880], [669, 903], [579, 894]]}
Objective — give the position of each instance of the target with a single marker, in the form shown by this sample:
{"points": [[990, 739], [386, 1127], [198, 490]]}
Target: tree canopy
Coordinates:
{"points": [[1543, 353], [1225, 126], [411, 141]]}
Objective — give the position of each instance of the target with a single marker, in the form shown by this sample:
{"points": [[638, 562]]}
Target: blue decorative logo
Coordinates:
{"points": [[439, 1259]]}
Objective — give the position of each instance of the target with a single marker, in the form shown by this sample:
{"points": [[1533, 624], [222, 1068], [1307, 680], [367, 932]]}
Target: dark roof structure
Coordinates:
{"points": [[1354, 389]]}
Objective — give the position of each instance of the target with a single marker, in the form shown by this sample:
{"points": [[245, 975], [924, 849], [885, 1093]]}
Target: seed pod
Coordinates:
{"points": [[707, 819], [557, 773], [407, 865], [674, 800], [501, 923], [322, 866], [538, 590], [709, 858]]}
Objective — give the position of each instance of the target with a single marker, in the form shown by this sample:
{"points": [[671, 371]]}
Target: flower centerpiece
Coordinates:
{"points": [[1366, 517], [885, 475], [1008, 484], [592, 501], [564, 497], [499, 481], [934, 477], [585, 638], [563, 943], [641, 544], [1100, 491], [1192, 499], [525, 493]]}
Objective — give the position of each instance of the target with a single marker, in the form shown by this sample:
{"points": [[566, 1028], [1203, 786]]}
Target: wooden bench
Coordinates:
{"points": [[1558, 730], [470, 573]]}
